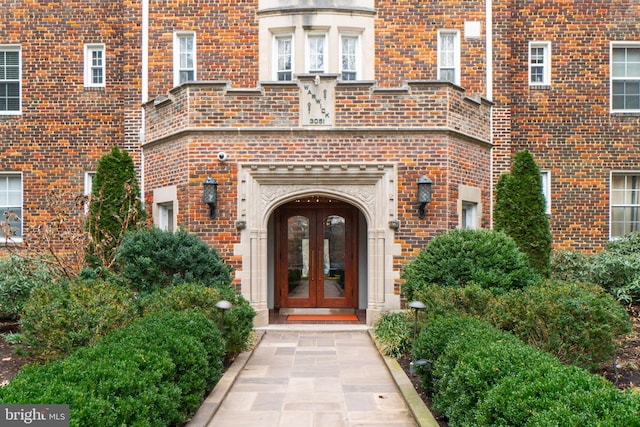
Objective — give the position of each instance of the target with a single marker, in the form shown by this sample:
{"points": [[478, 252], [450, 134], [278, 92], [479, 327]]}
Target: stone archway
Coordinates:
{"points": [[371, 187]]}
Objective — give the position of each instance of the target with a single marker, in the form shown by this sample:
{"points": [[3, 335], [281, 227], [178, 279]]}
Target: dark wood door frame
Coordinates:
{"points": [[317, 213]]}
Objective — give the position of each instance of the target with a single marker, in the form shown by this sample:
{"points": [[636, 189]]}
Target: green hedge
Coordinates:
{"points": [[152, 258], [238, 321], [63, 316], [480, 376], [154, 372], [458, 258], [578, 323]]}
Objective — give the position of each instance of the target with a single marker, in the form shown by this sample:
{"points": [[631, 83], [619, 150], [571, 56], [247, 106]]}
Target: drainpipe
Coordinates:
{"points": [[144, 81], [489, 82]]}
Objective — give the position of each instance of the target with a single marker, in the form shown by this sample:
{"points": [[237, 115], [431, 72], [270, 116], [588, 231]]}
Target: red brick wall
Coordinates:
{"points": [[65, 128], [431, 129], [568, 126]]}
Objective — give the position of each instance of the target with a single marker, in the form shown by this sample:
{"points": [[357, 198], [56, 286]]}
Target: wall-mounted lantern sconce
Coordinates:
{"points": [[210, 195], [424, 194]]}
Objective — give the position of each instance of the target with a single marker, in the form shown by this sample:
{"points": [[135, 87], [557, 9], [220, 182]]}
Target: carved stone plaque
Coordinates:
{"points": [[316, 100]]}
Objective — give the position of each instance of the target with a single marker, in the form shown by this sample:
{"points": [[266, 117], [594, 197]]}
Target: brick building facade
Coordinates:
{"points": [[317, 118]]}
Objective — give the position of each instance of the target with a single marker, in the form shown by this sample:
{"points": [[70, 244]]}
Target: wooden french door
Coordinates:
{"points": [[316, 255]]}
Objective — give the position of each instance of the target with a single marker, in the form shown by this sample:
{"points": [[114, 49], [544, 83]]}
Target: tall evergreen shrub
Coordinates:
{"points": [[520, 211], [115, 206]]}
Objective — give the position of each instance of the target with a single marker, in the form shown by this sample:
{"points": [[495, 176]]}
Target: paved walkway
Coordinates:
{"points": [[308, 379]]}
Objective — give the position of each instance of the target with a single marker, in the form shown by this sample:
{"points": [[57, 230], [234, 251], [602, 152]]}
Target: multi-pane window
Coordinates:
{"points": [[10, 79], [448, 56], [625, 204], [10, 205], [184, 58], [284, 57], [94, 65], [539, 63], [349, 57], [625, 77], [316, 53]]}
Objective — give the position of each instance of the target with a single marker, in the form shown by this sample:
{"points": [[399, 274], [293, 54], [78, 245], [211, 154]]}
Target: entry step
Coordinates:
{"points": [[287, 311]]}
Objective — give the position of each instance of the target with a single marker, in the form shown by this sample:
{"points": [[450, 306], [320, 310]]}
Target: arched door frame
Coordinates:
{"points": [[371, 187]]}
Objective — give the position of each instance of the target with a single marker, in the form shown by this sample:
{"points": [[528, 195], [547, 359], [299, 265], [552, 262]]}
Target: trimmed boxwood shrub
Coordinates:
{"points": [[153, 372], [62, 316], [458, 258], [577, 323], [485, 377], [539, 387], [151, 259], [238, 321], [471, 299]]}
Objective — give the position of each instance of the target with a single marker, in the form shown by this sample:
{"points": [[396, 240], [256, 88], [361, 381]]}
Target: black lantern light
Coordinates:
{"points": [[210, 195], [424, 194]]}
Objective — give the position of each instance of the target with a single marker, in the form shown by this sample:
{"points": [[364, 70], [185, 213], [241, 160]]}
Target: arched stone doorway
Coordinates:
{"points": [[370, 189]]}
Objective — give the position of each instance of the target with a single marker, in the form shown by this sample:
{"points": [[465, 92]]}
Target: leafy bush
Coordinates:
{"points": [[18, 277], [472, 300], [393, 333], [62, 316], [570, 266], [153, 372], [577, 323], [616, 268], [152, 258], [485, 377], [238, 321], [617, 273], [460, 257]]}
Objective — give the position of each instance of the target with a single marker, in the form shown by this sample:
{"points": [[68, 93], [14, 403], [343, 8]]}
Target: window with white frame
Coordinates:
{"points": [[327, 41], [449, 56], [539, 63], [88, 188], [165, 207], [165, 216], [546, 190], [349, 57], [469, 215], [316, 51], [625, 77], [283, 46], [10, 205], [184, 58], [10, 79], [94, 65], [469, 207], [625, 203]]}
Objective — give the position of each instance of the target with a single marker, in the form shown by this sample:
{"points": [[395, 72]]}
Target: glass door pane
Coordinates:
{"points": [[299, 262], [334, 257]]}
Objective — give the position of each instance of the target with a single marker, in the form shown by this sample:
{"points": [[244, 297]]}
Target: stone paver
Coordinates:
{"points": [[314, 379]]}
